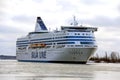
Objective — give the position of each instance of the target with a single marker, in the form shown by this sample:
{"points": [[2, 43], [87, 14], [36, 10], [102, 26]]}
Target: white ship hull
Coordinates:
{"points": [[78, 55]]}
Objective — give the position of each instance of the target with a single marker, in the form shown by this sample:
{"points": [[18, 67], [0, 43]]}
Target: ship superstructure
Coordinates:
{"points": [[71, 44]]}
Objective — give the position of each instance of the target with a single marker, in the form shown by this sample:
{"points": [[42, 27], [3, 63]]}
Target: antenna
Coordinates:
{"points": [[74, 23]]}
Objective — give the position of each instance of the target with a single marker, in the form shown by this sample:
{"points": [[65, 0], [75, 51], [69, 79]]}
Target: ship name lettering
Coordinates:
{"points": [[41, 54], [34, 54]]}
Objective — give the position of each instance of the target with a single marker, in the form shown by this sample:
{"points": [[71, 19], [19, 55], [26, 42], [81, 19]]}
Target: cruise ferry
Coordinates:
{"points": [[71, 44]]}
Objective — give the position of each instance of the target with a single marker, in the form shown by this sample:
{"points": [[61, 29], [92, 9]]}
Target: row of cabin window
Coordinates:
{"points": [[82, 34]]}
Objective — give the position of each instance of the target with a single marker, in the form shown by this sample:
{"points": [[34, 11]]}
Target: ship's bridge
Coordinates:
{"points": [[78, 28]]}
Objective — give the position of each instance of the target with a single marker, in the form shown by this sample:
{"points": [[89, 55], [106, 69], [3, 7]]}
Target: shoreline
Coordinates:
{"points": [[7, 57]]}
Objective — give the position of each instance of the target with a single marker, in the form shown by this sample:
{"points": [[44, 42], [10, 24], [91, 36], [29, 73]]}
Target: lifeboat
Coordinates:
{"points": [[41, 45], [38, 45]]}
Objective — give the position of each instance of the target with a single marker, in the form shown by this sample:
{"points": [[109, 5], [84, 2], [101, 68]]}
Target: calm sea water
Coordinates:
{"points": [[13, 70]]}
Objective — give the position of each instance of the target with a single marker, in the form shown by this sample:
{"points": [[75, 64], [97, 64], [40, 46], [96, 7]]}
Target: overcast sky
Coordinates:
{"points": [[17, 18]]}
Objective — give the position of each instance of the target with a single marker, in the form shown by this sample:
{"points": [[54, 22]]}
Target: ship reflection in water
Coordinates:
{"points": [[13, 70]]}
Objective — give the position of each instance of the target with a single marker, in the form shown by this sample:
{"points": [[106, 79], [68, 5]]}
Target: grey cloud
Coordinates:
{"points": [[2, 7], [119, 8], [66, 5], [7, 49], [91, 2], [2, 40], [6, 40], [2, 13], [102, 21], [38, 1], [115, 39], [23, 19], [2, 3], [5, 29]]}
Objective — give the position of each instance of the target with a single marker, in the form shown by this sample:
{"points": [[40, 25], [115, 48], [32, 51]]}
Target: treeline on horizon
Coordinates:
{"points": [[113, 57], [7, 57]]}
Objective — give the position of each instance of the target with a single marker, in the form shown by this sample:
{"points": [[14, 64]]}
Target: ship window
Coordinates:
{"points": [[87, 42], [71, 45], [47, 46], [68, 45]]}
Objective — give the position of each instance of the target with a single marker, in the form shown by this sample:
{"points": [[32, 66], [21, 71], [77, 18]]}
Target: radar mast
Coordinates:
{"points": [[74, 23]]}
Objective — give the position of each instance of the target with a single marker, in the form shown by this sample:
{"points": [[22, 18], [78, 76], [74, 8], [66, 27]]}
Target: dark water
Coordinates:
{"points": [[13, 70]]}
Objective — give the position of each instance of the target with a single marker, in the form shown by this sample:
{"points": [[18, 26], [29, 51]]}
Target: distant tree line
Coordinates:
{"points": [[7, 57], [113, 57]]}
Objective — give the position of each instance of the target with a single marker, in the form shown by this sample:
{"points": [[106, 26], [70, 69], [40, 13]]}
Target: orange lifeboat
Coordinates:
{"points": [[33, 45], [41, 45], [37, 45]]}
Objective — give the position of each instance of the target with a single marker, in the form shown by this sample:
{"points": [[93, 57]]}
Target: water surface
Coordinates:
{"points": [[13, 70]]}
